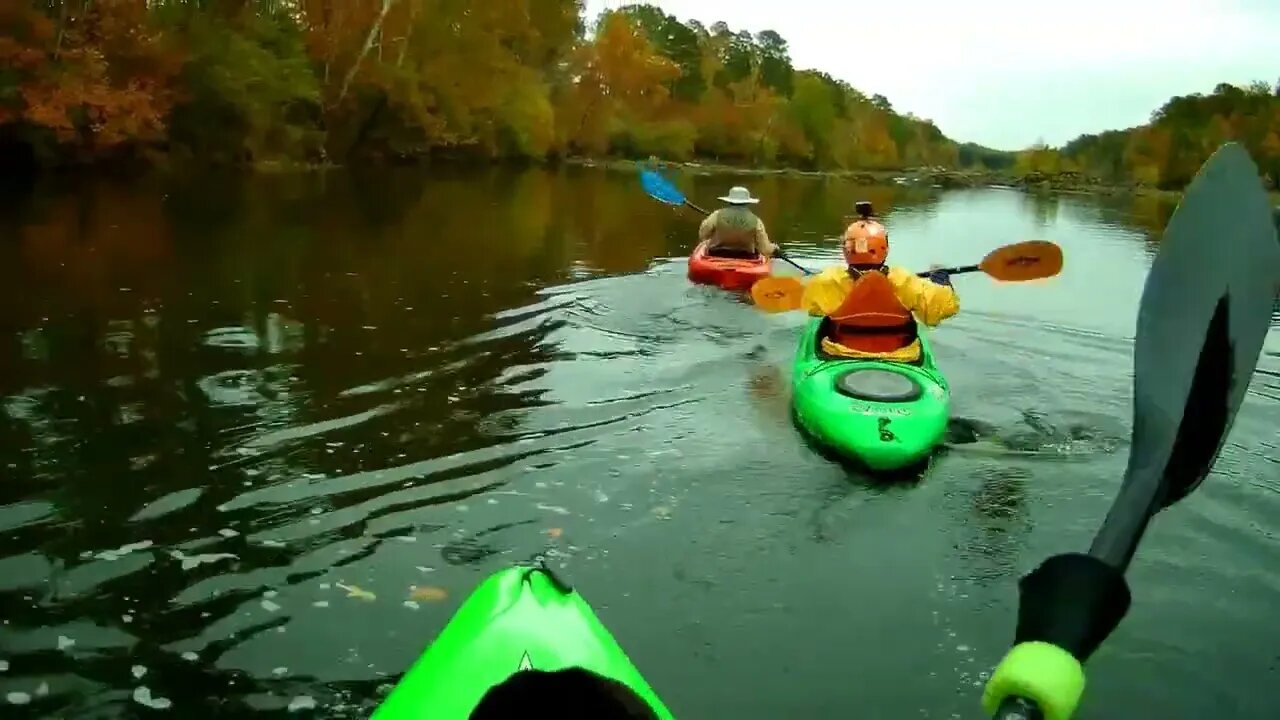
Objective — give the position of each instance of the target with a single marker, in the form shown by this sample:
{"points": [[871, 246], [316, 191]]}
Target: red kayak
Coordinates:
{"points": [[727, 272]]}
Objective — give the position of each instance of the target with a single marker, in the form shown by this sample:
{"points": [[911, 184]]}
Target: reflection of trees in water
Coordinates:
{"points": [[340, 294], [1042, 207], [154, 338], [615, 227], [1151, 213], [347, 257], [116, 401]]}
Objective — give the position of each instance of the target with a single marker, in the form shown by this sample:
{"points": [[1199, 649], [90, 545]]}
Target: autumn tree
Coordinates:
{"points": [[776, 72], [679, 43], [1038, 159], [813, 110], [314, 80], [94, 78], [621, 92], [250, 94], [1168, 151]]}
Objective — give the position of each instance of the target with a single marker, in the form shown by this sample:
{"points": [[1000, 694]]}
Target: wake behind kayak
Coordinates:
{"points": [[521, 619]]}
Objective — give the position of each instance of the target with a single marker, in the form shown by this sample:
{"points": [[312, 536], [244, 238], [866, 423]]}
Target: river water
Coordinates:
{"points": [[259, 437]]}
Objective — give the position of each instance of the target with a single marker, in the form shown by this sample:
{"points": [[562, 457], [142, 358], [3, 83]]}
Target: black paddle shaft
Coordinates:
{"points": [[952, 270]]}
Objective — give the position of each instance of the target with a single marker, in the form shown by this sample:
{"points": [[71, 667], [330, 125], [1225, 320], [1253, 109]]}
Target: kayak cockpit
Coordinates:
{"points": [[824, 331], [733, 253], [570, 693], [876, 385]]}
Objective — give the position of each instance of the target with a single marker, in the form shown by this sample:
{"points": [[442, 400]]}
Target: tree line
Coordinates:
{"points": [[1167, 152], [312, 81], [333, 80]]}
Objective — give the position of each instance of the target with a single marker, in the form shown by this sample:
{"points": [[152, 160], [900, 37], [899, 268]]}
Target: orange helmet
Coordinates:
{"points": [[866, 243]]}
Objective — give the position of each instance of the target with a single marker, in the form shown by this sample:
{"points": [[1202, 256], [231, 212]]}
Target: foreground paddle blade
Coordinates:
{"points": [[777, 294], [660, 188], [1205, 314], [1030, 260]]}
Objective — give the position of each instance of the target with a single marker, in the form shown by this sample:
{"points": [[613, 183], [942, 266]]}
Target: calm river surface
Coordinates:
{"points": [[259, 437]]}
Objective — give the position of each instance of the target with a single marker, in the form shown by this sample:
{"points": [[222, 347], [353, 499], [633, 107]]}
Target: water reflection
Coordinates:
{"points": [[259, 435], [1043, 207]]}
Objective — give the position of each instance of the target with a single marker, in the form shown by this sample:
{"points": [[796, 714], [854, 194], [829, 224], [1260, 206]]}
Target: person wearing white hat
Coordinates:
{"points": [[735, 230]]}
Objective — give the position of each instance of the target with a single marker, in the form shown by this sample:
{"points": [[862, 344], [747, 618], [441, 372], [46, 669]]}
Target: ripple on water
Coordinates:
{"points": [[307, 545], [269, 515]]}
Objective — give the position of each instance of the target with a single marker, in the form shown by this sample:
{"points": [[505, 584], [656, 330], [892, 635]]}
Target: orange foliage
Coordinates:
{"points": [[97, 77], [91, 244], [619, 75], [627, 63], [315, 78]]}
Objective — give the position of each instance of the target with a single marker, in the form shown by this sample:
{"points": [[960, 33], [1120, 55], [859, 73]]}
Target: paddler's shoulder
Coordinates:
{"points": [[834, 273], [897, 272], [899, 275]]}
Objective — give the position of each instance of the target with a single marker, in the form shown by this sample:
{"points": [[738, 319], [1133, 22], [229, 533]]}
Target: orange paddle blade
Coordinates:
{"points": [[1030, 260], [777, 294]]}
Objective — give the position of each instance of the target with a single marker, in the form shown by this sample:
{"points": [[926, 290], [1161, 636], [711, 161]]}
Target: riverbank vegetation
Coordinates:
{"points": [[1166, 153], [314, 82]]}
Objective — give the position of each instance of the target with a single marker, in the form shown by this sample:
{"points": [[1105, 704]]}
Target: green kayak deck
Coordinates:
{"points": [[518, 618], [883, 415]]}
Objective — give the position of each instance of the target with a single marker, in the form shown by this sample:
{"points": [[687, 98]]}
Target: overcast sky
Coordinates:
{"points": [[1006, 73]]}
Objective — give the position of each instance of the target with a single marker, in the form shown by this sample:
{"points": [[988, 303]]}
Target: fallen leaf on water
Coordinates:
{"points": [[427, 593], [554, 532], [355, 591]]}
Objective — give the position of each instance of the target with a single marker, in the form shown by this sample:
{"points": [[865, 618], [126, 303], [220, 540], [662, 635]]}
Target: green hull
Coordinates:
{"points": [[882, 436], [517, 618]]}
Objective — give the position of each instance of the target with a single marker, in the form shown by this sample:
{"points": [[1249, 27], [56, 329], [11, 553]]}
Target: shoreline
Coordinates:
{"points": [[937, 178], [919, 177]]}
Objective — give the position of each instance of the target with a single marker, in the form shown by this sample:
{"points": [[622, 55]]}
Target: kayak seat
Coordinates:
{"points": [[574, 692], [879, 386], [733, 253], [824, 331]]}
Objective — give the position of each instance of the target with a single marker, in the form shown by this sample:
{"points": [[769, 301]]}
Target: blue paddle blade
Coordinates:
{"points": [[659, 188]]}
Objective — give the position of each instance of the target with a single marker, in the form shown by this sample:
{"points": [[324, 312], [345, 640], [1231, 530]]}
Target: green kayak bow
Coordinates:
{"points": [[520, 618]]}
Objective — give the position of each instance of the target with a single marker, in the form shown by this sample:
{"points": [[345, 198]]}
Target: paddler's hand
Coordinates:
{"points": [[938, 276]]}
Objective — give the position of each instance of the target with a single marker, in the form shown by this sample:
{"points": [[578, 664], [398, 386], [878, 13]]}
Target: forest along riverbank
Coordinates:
{"points": [[261, 434], [1067, 181], [180, 84]]}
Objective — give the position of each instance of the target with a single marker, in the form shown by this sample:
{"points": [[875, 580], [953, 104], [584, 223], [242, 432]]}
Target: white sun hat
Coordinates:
{"points": [[739, 196]]}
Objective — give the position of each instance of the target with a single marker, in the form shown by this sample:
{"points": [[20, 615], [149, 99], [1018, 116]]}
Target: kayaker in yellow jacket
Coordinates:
{"points": [[874, 308], [735, 230]]}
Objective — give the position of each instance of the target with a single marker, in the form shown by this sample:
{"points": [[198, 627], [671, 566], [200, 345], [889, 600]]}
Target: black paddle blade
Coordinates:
{"points": [[1209, 411], [1205, 312], [1212, 280]]}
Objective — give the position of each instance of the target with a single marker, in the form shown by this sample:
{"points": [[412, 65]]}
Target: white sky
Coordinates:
{"points": [[1006, 73]]}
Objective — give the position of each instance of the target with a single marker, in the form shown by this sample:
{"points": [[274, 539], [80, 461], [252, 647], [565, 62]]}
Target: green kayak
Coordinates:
{"points": [[884, 415], [520, 618]]}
